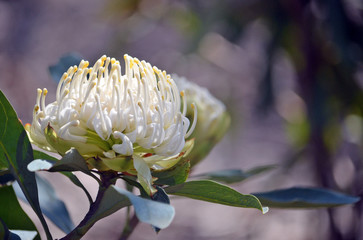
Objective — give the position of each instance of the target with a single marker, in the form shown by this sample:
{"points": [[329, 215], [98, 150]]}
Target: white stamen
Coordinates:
{"points": [[39, 95], [65, 93], [133, 107], [184, 103], [191, 129], [45, 91], [89, 89], [99, 107], [64, 76]]}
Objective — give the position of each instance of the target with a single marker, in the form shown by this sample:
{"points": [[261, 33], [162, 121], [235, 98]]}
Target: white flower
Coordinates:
{"points": [[109, 116], [213, 118]]}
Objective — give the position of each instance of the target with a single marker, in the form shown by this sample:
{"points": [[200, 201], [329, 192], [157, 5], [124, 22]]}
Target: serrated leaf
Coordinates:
{"points": [[177, 174], [67, 60], [233, 175], [303, 197], [16, 153], [155, 213], [214, 192], [12, 213], [51, 205]]}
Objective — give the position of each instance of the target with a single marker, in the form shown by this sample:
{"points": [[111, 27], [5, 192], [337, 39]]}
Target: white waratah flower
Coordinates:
{"points": [[121, 122], [213, 118]]}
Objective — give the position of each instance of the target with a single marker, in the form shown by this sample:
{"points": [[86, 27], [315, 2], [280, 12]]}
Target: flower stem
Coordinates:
{"points": [[129, 228], [107, 178]]}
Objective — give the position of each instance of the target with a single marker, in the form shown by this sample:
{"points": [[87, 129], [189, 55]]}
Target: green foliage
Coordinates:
{"points": [[71, 161], [172, 176], [16, 153], [5, 234], [214, 192], [148, 211], [16, 218], [299, 197], [70, 175], [110, 203], [233, 175], [51, 206]]}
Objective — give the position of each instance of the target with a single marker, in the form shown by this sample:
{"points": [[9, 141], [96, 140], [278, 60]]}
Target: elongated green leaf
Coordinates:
{"points": [[70, 175], [233, 175], [111, 202], [172, 176], [71, 161], [299, 197], [16, 153], [210, 191], [51, 205], [115, 198], [12, 213]]}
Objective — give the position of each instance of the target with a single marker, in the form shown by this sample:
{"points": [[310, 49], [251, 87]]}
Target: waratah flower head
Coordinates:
{"points": [[113, 118]]}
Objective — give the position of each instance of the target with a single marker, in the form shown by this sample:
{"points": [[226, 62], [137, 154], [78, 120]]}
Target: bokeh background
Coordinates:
{"points": [[289, 72]]}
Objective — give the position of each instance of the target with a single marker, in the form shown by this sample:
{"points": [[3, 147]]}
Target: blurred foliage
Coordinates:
{"points": [[323, 40]]}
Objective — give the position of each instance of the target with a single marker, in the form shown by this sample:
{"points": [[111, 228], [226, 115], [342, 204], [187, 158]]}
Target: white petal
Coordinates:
{"points": [[126, 148]]}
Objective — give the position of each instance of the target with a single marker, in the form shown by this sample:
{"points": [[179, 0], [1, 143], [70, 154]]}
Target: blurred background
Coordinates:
{"points": [[289, 72]]}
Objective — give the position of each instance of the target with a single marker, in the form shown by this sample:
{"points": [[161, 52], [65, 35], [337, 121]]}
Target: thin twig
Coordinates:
{"points": [[129, 228]]}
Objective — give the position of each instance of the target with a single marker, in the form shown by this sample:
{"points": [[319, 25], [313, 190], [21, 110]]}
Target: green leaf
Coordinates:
{"points": [[51, 205], [177, 174], [12, 213], [214, 192], [5, 234], [111, 202], [302, 197], [233, 175], [16, 153], [155, 213], [71, 161], [70, 175], [41, 156], [147, 210]]}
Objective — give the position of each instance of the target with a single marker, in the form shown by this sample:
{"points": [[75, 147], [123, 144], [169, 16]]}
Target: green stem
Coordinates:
{"points": [[129, 228], [107, 179]]}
